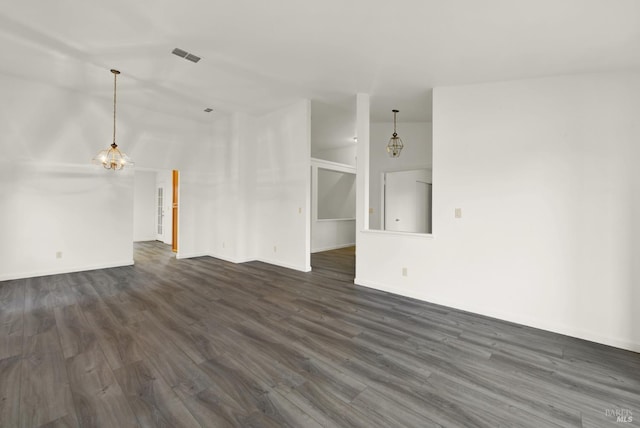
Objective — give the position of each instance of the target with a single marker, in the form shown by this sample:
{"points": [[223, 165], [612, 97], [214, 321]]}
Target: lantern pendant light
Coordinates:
{"points": [[113, 158], [395, 145]]}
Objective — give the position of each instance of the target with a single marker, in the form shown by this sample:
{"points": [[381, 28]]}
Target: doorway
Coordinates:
{"points": [[164, 207], [338, 264], [333, 223], [154, 207]]}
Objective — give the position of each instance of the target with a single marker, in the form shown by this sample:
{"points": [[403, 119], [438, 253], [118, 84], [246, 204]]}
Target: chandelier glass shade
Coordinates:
{"points": [[112, 158], [395, 145]]}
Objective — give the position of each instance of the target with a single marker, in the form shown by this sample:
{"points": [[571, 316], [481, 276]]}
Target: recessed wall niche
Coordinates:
{"points": [[400, 189]]}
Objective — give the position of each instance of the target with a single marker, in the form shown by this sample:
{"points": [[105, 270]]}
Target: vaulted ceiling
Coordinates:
{"points": [[260, 55]]}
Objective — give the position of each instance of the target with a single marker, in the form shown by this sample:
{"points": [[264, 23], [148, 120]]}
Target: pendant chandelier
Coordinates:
{"points": [[395, 143], [113, 158]]}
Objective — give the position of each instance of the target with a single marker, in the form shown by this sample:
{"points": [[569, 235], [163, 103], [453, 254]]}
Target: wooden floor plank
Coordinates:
{"points": [[338, 264], [327, 404], [209, 409], [76, 336], [12, 295], [240, 386], [151, 399], [389, 412], [504, 407], [204, 342], [98, 398], [44, 391], [116, 341], [10, 371], [283, 412], [38, 306]]}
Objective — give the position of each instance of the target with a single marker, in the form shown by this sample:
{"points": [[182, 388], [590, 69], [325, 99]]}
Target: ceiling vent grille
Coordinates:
{"points": [[192, 58], [186, 55], [180, 52]]}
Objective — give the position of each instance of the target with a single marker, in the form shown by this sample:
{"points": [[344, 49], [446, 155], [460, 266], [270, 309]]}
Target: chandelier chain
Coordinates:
{"points": [[394, 122], [395, 145], [112, 158], [115, 78]]}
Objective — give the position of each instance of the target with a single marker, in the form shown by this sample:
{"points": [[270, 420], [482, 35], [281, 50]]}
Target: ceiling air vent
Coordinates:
{"points": [[180, 52], [192, 58], [186, 55]]}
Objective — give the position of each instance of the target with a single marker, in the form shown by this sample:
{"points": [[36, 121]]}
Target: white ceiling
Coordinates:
{"points": [[261, 55]]}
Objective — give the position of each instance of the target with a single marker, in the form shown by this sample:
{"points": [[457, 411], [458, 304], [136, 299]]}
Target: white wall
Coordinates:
{"points": [[53, 199], [283, 186], [233, 189], [330, 234], [544, 172], [77, 210], [145, 212], [235, 165], [336, 194], [416, 154], [256, 195], [194, 214]]}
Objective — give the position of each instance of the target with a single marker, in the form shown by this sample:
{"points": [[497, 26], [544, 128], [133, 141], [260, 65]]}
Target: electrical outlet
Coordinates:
{"points": [[58, 254], [275, 249], [404, 271], [370, 210], [222, 244], [299, 210], [458, 213]]}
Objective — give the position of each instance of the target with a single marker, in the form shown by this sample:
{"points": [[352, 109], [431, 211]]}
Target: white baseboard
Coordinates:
{"points": [[509, 316], [333, 247], [244, 260], [191, 255], [230, 259], [7, 277], [145, 239], [286, 265], [239, 260]]}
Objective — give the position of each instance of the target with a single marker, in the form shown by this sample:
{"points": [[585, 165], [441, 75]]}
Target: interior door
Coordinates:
{"points": [[406, 198], [160, 214]]}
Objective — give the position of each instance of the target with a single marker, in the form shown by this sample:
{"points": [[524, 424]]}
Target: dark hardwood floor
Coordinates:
{"points": [[338, 264], [202, 342]]}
